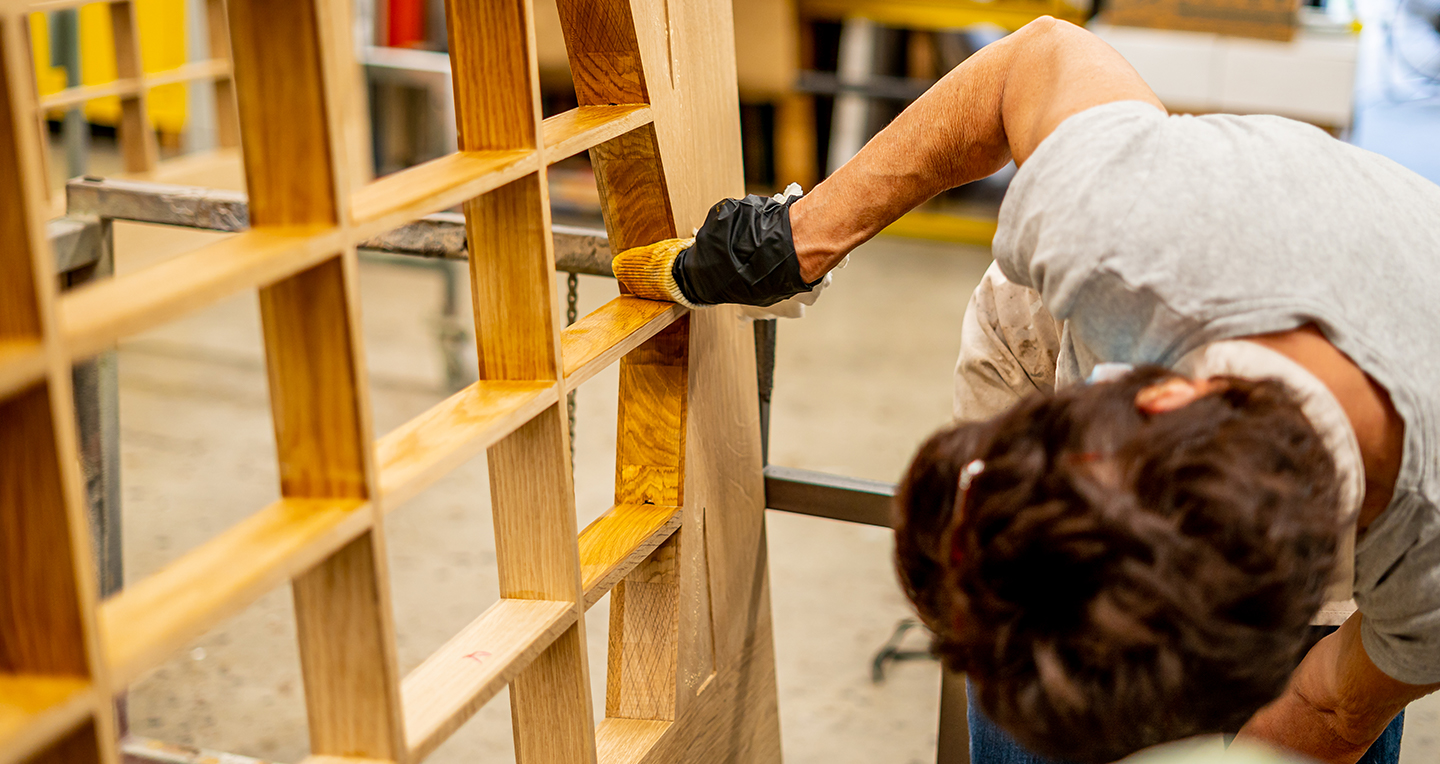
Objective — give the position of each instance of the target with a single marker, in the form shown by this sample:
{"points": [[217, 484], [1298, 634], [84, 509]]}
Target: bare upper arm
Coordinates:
{"points": [[1059, 70]]}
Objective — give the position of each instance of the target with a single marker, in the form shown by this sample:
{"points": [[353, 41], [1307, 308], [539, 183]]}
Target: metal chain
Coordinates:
{"points": [[571, 313]]}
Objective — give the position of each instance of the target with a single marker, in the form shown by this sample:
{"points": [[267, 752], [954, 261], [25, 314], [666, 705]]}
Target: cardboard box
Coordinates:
{"points": [[1263, 19]]}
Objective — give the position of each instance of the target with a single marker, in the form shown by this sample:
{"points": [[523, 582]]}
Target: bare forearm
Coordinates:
{"points": [[1293, 723], [998, 105]]}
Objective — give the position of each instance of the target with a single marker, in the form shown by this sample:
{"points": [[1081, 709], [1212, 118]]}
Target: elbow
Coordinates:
{"points": [[1052, 33]]}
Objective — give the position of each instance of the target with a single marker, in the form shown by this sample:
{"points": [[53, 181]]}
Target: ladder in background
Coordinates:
{"points": [[690, 673]]}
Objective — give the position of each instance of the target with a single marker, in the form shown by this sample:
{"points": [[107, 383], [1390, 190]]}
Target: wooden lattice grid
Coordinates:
{"points": [[132, 84], [691, 665]]}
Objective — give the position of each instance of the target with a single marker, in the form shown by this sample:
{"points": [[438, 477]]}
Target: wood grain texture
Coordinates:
{"points": [[512, 282], [41, 594], [650, 445], [88, 743], [454, 682], [550, 704], [585, 127], [633, 188], [600, 39], [137, 135], [347, 653], [644, 631], [94, 317], [321, 432], [621, 741], [227, 113], [436, 185], [151, 618], [609, 332], [280, 89], [20, 202], [618, 541], [36, 710], [457, 429], [493, 65]]}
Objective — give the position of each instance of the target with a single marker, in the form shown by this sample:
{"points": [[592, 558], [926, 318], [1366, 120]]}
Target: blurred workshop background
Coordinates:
{"points": [[144, 94]]}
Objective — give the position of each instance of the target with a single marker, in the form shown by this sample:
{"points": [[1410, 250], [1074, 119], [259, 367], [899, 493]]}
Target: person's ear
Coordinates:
{"points": [[1171, 394]]}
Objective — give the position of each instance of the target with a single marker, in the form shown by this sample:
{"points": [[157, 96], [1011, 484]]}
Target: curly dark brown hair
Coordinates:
{"points": [[1116, 580]]}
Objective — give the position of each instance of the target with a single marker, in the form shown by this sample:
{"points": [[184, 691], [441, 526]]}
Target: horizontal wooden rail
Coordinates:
{"points": [[22, 363], [36, 710], [45, 6], [415, 454], [454, 682], [619, 540], [196, 70], [628, 741], [94, 317], [154, 617], [439, 184], [612, 330], [586, 127]]}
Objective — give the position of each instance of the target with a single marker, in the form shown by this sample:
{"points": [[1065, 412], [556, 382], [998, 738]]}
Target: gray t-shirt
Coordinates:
{"points": [[1153, 235]]}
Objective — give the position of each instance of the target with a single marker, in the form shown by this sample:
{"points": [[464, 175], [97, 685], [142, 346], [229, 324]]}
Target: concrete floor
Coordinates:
{"points": [[858, 383]]}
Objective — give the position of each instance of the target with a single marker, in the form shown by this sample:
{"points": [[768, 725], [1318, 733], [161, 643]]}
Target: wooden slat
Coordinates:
{"points": [[67, 97], [59, 5], [93, 317], [150, 619], [627, 741], [454, 682], [457, 429], [585, 127], [22, 363], [436, 185], [137, 133], [194, 70], [612, 330], [618, 541], [37, 710]]}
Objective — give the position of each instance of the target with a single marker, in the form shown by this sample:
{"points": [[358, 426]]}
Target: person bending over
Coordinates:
{"points": [[1136, 560]]}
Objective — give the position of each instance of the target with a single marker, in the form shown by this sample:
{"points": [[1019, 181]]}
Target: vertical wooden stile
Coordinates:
{"points": [[48, 637], [137, 135], [512, 277], [287, 90], [227, 116]]}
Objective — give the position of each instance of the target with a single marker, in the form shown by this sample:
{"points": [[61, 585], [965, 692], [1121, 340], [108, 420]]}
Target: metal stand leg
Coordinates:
{"points": [[954, 744]]}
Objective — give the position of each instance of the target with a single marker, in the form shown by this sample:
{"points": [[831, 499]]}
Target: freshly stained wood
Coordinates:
{"points": [[618, 541], [612, 330], [34, 710], [585, 127], [436, 185], [454, 431], [94, 317], [627, 741], [454, 682], [22, 363], [151, 618]]}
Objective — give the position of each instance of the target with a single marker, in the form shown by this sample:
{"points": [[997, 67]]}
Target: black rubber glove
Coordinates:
{"points": [[743, 254]]}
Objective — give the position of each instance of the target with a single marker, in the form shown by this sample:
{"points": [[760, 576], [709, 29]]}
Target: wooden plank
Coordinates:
{"points": [[227, 114], [618, 541], [20, 203], [22, 363], [137, 134], [604, 51], [626, 741], [585, 127], [650, 448], [492, 65], [37, 710], [644, 638], [189, 72], [633, 190], [152, 618], [94, 317], [88, 743], [41, 589], [464, 674], [612, 330], [436, 185], [512, 282], [79, 94], [415, 454]]}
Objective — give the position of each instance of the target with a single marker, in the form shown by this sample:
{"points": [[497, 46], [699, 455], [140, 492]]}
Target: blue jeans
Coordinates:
{"points": [[991, 745]]}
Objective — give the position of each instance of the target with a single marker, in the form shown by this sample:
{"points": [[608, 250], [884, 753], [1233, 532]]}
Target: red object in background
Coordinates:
{"points": [[407, 23]]}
